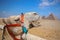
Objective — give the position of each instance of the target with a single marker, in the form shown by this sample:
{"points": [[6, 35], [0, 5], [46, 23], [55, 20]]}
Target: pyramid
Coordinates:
{"points": [[51, 17], [43, 17]]}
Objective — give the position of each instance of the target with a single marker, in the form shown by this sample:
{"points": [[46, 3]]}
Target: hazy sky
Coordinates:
{"points": [[43, 7]]}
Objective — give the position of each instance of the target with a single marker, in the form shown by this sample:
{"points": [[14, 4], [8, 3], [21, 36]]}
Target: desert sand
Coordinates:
{"points": [[48, 29]]}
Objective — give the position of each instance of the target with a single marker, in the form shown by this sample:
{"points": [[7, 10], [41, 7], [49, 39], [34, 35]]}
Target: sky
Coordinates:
{"points": [[42, 7]]}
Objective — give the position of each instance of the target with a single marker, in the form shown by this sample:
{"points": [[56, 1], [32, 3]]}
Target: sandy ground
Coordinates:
{"points": [[48, 29]]}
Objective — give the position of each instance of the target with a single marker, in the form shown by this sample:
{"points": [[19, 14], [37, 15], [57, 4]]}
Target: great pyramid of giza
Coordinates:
{"points": [[51, 17]]}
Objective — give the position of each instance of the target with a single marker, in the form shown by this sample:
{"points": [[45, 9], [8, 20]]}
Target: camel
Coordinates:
{"points": [[17, 31]]}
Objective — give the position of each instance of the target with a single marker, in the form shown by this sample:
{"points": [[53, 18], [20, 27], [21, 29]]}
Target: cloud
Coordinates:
{"points": [[45, 3]]}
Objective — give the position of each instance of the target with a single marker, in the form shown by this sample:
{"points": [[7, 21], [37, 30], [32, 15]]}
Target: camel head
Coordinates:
{"points": [[28, 17]]}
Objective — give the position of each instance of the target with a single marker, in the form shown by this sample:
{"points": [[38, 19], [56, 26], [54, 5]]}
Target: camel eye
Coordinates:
{"points": [[17, 19]]}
